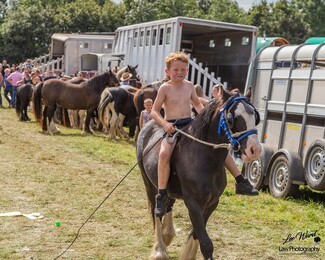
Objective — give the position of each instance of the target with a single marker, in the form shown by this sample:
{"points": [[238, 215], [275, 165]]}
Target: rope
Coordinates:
{"points": [[118, 184], [215, 146]]}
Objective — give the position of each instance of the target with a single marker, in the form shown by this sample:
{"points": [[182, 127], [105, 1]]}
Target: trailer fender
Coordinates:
{"points": [[297, 169], [256, 170]]}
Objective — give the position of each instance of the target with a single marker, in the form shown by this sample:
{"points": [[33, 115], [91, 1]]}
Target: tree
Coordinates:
{"points": [[19, 36], [227, 11]]}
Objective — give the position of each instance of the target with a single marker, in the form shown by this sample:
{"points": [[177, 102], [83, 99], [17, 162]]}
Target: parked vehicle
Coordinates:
{"points": [[288, 84], [218, 51]]}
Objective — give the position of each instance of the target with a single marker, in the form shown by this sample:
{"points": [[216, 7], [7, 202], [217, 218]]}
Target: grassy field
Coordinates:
{"points": [[65, 177]]}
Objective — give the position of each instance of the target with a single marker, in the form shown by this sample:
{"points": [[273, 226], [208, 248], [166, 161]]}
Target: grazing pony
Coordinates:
{"points": [[118, 104], [198, 174], [85, 95], [24, 96]]}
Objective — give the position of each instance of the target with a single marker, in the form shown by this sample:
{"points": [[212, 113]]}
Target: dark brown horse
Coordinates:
{"points": [[85, 95], [198, 174], [24, 96]]}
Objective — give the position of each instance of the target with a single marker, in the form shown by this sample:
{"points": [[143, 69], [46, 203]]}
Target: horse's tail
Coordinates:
{"points": [[18, 104], [140, 101], [102, 107], [37, 102]]}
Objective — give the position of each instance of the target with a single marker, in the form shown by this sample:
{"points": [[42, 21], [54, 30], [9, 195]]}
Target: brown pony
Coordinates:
{"points": [[85, 95]]}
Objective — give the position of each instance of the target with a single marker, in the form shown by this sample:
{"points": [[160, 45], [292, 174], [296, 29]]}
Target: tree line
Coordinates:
{"points": [[26, 26]]}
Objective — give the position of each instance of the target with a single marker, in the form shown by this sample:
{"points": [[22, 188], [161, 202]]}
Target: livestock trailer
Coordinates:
{"points": [[218, 51], [71, 47], [288, 84]]}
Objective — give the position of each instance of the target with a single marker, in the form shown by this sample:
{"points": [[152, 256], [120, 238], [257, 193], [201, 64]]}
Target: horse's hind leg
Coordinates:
{"points": [[190, 249], [52, 127], [44, 121], [120, 126]]}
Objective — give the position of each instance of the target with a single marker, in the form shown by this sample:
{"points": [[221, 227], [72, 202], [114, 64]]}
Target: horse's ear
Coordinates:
{"points": [[249, 94], [136, 66]]}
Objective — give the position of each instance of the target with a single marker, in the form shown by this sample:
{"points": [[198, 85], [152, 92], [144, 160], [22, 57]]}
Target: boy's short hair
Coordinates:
{"points": [[181, 56], [148, 101], [7, 69]]}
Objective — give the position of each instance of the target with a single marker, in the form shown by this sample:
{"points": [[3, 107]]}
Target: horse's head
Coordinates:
{"points": [[112, 79], [133, 71], [238, 120]]}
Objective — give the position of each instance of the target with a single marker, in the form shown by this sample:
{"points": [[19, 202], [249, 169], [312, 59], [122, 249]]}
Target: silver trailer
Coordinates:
{"points": [[69, 48], [218, 51], [288, 84]]}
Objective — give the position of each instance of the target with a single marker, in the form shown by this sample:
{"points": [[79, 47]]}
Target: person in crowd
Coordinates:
{"points": [[145, 115], [125, 79], [7, 87], [5, 65], [14, 78], [49, 75], [26, 78]]}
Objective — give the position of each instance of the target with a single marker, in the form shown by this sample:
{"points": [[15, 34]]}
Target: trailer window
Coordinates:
{"points": [[161, 36], [84, 45], [245, 41], [107, 45], [212, 44], [227, 42], [135, 43], [154, 36], [141, 38], [147, 37], [168, 35]]}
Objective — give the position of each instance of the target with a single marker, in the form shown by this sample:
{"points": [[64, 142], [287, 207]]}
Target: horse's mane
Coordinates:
{"points": [[199, 127], [97, 82]]}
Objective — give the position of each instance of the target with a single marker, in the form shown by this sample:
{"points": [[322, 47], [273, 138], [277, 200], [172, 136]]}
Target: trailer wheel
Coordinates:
{"points": [[280, 184], [315, 165], [255, 170]]}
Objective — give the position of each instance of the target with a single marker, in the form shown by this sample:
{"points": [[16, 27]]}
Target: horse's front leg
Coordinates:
{"points": [[198, 220], [159, 249]]}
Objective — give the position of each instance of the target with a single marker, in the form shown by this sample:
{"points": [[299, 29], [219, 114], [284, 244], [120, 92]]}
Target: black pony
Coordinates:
{"points": [[24, 96], [197, 171]]}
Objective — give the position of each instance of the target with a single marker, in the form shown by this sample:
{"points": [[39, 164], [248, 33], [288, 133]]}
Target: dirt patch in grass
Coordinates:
{"points": [[65, 177]]}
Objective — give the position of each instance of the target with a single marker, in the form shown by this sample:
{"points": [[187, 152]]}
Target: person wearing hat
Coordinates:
{"points": [[125, 79]]}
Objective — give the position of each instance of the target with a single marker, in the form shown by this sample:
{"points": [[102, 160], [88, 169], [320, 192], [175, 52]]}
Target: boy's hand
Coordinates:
{"points": [[169, 127]]}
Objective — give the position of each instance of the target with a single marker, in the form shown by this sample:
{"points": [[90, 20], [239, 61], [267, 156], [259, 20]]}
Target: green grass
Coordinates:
{"points": [[65, 177]]}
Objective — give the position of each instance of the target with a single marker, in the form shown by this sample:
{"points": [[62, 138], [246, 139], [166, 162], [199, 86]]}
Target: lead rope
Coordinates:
{"points": [[118, 184], [215, 146]]}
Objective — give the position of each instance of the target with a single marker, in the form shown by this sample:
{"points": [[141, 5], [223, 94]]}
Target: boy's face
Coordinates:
{"points": [[148, 106], [177, 71]]}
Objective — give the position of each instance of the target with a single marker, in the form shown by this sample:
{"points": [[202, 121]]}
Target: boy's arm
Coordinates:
{"points": [[155, 112]]}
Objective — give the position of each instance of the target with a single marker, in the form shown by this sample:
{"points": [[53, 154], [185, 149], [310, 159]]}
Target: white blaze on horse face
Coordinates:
{"points": [[253, 148]]}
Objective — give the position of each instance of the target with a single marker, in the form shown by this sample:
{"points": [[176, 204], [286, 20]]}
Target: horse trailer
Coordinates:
{"points": [[70, 48], [288, 86], [224, 49]]}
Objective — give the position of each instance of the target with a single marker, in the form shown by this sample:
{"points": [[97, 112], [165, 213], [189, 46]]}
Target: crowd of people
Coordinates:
{"points": [[14, 76]]}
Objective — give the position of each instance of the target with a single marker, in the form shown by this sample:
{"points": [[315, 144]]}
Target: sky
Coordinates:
{"points": [[245, 4]]}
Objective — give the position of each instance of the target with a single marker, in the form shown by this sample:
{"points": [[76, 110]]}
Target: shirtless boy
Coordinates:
{"points": [[176, 96]]}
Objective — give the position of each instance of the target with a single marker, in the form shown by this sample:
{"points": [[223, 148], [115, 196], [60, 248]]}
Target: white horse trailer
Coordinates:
{"points": [[288, 84], [71, 47], [225, 49]]}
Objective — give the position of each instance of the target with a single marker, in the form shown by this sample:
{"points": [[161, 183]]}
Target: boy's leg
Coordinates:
{"points": [[162, 199], [243, 186]]}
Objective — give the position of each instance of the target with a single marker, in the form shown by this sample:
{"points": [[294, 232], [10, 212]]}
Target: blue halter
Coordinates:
{"points": [[224, 126]]}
